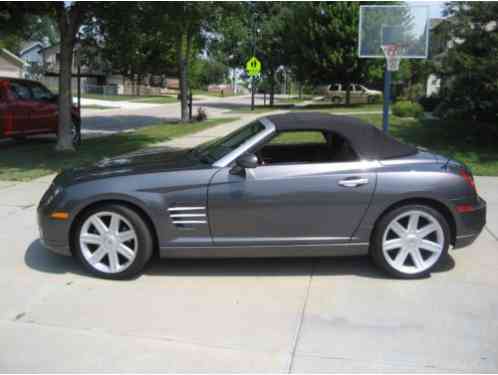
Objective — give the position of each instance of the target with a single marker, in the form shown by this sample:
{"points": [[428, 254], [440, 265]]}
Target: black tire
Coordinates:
{"points": [[377, 254], [145, 241], [336, 100]]}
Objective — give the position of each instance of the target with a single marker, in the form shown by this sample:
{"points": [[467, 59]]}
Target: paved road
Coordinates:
{"points": [[280, 315], [112, 120]]}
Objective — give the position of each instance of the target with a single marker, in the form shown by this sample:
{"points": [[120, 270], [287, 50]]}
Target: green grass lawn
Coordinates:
{"points": [[461, 140], [156, 99], [36, 157], [112, 98], [338, 108]]}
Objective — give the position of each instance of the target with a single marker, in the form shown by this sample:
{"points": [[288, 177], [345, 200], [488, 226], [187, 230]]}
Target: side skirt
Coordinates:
{"points": [[266, 251]]}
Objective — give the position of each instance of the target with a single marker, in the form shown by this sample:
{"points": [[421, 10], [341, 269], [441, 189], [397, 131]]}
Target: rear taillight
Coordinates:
{"points": [[469, 179]]}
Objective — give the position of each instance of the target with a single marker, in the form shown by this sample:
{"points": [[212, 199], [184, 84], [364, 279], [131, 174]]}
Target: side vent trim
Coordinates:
{"points": [[187, 216]]}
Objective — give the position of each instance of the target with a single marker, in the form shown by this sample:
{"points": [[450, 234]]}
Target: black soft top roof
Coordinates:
{"points": [[368, 141]]}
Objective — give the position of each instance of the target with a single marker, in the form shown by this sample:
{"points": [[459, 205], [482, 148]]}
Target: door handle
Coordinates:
{"points": [[353, 182]]}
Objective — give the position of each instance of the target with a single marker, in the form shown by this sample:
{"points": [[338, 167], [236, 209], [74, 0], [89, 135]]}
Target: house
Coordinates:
{"points": [[11, 65], [31, 53], [97, 76]]}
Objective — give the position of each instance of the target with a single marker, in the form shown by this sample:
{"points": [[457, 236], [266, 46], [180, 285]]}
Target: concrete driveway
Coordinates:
{"points": [[279, 315]]}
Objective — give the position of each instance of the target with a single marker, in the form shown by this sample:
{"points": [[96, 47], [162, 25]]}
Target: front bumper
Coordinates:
{"points": [[54, 234], [470, 225]]}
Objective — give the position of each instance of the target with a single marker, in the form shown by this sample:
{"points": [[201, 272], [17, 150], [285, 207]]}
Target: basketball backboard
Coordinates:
{"points": [[404, 25]]}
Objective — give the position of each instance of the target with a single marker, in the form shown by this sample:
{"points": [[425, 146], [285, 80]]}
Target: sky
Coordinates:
{"points": [[436, 7]]}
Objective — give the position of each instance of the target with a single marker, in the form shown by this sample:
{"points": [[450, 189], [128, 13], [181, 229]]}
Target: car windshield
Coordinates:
{"points": [[211, 151]]}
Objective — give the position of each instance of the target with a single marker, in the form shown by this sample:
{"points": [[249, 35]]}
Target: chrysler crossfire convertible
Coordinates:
{"points": [[287, 185]]}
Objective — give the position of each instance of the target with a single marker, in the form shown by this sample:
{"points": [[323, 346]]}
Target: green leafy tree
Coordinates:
{"points": [[68, 16], [325, 38], [468, 68], [208, 71], [146, 50]]}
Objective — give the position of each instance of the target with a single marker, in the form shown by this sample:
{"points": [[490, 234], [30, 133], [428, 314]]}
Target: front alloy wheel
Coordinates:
{"points": [[113, 242], [410, 241], [108, 242]]}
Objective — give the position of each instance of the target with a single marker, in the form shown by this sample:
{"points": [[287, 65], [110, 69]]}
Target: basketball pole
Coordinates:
{"points": [[387, 100]]}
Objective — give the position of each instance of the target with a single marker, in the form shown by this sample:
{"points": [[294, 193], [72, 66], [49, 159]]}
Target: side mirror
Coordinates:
{"points": [[247, 161], [244, 162]]}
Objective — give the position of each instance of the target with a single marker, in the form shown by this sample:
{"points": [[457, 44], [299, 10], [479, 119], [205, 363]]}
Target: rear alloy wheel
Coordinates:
{"points": [[113, 242], [410, 241]]}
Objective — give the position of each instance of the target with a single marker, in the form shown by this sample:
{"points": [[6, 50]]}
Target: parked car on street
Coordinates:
{"points": [[359, 94], [295, 184], [29, 108]]}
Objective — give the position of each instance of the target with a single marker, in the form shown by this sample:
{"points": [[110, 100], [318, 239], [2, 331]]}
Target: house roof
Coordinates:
{"points": [[29, 46], [10, 56]]}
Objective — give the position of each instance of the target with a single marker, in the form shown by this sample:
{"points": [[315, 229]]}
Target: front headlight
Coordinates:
{"points": [[52, 193]]}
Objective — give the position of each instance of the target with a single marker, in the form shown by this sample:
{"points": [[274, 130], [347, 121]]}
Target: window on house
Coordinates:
{"points": [[305, 146]]}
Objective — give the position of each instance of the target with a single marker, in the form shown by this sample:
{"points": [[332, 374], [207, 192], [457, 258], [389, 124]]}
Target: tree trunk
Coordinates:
{"points": [[183, 45], [67, 33], [348, 93]]}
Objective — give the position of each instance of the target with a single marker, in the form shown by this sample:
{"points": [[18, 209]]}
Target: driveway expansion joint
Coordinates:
{"points": [[301, 318], [495, 237]]}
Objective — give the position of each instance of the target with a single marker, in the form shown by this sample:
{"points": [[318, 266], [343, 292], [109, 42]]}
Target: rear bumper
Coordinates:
{"points": [[470, 225]]}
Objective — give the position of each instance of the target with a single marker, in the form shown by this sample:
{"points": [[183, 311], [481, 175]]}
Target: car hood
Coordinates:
{"points": [[147, 161]]}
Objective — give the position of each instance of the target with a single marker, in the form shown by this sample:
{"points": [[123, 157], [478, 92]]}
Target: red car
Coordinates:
{"points": [[29, 108]]}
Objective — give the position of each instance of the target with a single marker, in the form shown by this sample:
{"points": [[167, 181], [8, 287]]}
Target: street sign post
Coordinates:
{"points": [[253, 68]]}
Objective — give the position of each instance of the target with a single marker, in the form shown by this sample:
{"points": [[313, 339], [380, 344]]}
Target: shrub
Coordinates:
{"points": [[407, 109], [429, 103], [201, 115]]}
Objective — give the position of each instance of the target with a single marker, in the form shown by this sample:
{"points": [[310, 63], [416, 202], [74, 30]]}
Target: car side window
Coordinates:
{"points": [[20, 91], [40, 93], [305, 146]]}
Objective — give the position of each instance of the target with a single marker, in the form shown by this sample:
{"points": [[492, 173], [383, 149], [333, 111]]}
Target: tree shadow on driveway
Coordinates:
{"points": [[41, 259]]}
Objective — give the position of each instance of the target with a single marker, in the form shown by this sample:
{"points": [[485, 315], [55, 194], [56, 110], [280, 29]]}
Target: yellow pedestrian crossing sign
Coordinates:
{"points": [[253, 67]]}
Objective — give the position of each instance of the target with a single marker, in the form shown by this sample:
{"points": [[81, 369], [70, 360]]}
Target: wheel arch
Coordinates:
{"points": [[439, 206], [135, 207]]}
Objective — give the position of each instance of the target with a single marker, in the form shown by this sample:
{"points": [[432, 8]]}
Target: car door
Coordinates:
{"points": [[298, 202], [44, 111], [20, 106]]}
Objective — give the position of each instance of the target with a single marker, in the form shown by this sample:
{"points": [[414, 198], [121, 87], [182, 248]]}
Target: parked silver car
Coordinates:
{"points": [[297, 184]]}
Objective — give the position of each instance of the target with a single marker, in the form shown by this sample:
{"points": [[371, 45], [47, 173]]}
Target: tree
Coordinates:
{"points": [[327, 37], [189, 23], [146, 50], [468, 68], [69, 16], [255, 28], [208, 71]]}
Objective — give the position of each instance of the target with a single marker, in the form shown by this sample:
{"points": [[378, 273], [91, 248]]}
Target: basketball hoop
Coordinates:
{"points": [[393, 58]]}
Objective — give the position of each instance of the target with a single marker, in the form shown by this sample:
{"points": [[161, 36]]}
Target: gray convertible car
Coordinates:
{"points": [[289, 185]]}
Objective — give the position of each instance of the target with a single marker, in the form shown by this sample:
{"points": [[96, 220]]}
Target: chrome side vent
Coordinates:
{"points": [[187, 216]]}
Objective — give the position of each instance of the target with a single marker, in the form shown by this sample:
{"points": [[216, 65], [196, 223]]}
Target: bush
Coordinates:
{"points": [[201, 115], [429, 103], [407, 109]]}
